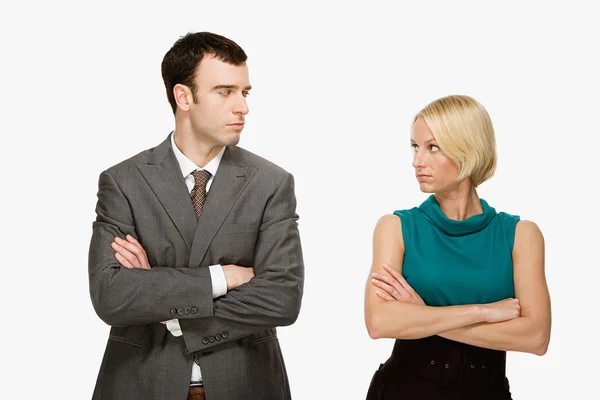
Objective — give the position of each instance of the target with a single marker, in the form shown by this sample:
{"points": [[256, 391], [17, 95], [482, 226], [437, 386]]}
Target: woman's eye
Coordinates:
{"points": [[433, 147]]}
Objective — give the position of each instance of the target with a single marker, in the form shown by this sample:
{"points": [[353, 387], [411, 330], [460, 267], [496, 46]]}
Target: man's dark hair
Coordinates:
{"points": [[181, 61]]}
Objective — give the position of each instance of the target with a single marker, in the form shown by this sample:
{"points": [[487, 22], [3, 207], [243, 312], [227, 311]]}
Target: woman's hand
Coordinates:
{"points": [[393, 287], [503, 310]]}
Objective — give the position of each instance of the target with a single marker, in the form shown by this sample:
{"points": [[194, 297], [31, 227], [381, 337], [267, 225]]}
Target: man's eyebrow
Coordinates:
{"points": [[230, 87]]}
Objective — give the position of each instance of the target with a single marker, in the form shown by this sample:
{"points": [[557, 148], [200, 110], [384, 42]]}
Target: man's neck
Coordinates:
{"points": [[196, 150]]}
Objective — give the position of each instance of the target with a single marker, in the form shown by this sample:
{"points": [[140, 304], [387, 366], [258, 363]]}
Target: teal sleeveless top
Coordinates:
{"points": [[451, 262]]}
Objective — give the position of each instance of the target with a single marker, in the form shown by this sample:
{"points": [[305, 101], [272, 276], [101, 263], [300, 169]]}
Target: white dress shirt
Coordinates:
{"points": [[219, 284]]}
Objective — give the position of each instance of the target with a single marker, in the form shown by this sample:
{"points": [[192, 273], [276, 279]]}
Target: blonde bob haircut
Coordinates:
{"points": [[463, 129]]}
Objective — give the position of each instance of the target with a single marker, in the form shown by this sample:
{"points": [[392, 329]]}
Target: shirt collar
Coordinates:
{"points": [[188, 166], [432, 211]]}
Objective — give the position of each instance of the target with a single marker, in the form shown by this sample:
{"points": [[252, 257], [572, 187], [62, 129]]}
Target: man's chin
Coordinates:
{"points": [[232, 140]]}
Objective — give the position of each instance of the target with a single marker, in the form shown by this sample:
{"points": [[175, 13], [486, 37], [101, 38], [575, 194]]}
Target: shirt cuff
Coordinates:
{"points": [[173, 327], [219, 283]]}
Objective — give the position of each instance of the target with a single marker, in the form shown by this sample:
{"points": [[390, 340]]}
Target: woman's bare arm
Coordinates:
{"points": [[531, 332], [403, 320]]}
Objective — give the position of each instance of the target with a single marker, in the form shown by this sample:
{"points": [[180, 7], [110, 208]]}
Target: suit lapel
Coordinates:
{"points": [[164, 177], [231, 179]]}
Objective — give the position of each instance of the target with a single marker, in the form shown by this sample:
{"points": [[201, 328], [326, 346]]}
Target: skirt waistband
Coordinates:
{"points": [[448, 362]]}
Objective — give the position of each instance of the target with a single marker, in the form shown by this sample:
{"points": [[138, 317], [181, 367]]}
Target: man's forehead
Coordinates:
{"points": [[212, 63], [214, 72]]}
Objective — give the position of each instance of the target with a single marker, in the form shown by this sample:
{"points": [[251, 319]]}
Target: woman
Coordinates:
{"points": [[455, 282]]}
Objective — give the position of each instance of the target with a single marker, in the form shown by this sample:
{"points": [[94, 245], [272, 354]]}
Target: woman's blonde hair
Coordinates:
{"points": [[463, 129]]}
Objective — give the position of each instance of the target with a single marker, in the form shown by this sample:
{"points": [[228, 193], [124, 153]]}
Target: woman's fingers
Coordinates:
{"points": [[390, 290]]}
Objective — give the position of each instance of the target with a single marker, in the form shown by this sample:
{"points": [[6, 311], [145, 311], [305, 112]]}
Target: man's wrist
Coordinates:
{"points": [[219, 283], [173, 327]]}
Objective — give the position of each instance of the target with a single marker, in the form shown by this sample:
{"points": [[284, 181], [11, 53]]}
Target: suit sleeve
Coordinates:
{"points": [[126, 297], [273, 297]]}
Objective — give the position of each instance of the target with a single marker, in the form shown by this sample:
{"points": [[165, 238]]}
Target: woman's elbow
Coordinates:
{"points": [[374, 325], [534, 343], [541, 343]]}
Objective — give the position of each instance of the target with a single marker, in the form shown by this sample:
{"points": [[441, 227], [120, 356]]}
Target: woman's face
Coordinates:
{"points": [[435, 171]]}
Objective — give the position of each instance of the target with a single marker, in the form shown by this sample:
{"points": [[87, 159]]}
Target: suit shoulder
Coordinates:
{"points": [[123, 169], [262, 163]]}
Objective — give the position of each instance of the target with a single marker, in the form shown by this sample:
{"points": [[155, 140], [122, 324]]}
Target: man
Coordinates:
{"points": [[195, 256]]}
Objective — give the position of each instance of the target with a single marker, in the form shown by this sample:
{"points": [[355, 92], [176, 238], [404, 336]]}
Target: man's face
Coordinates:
{"points": [[217, 115]]}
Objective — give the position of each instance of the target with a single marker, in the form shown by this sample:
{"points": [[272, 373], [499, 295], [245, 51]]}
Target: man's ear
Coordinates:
{"points": [[183, 96]]}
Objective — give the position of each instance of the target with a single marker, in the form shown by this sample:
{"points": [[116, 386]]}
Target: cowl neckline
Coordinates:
{"points": [[432, 211]]}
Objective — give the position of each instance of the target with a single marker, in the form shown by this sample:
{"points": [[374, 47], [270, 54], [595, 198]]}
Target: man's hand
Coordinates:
{"points": [[393, 287], [236, 275], [130, 253]]}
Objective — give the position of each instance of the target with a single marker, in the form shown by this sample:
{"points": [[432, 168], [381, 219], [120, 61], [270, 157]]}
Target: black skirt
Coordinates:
{"points": [[435, 368]]}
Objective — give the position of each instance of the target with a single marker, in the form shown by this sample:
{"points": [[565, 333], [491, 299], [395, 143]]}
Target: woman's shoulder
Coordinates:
{"points": [[388, 222], [388, 230], [397, 224], [516, 222], [406, 213], [527, 230], [508, 221], [518, 230]]}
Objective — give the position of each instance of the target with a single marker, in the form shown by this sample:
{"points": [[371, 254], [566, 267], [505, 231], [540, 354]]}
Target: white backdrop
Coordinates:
{"points": [[335, 88]]}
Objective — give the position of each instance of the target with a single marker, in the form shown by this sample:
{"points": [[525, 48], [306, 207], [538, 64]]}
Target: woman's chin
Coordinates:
{"points": [[426, 188]]}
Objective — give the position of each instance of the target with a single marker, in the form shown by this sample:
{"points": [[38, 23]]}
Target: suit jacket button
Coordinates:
{"points": [[173, 311], [218, 337], [211, 339], [186, 351], [194, 310], [225, 334], [204, 341], [187, 310], [180, 311]]}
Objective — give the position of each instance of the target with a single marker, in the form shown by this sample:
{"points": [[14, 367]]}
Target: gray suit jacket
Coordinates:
{"points": [[248, 219]]}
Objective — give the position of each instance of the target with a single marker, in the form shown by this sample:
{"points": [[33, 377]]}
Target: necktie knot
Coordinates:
{"points": [[201, 177]]}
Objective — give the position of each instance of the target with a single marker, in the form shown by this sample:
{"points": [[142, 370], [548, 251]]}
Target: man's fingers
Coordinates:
{"points": [[135, 247], [133, 240], [123, 261], [126, 254], [131, 247]]}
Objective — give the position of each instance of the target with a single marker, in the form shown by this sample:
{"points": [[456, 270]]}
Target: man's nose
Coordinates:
{"points": [[241, 106]]}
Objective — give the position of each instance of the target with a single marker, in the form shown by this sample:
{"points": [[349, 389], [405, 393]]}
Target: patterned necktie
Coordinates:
{"points": [[198, 193]]}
